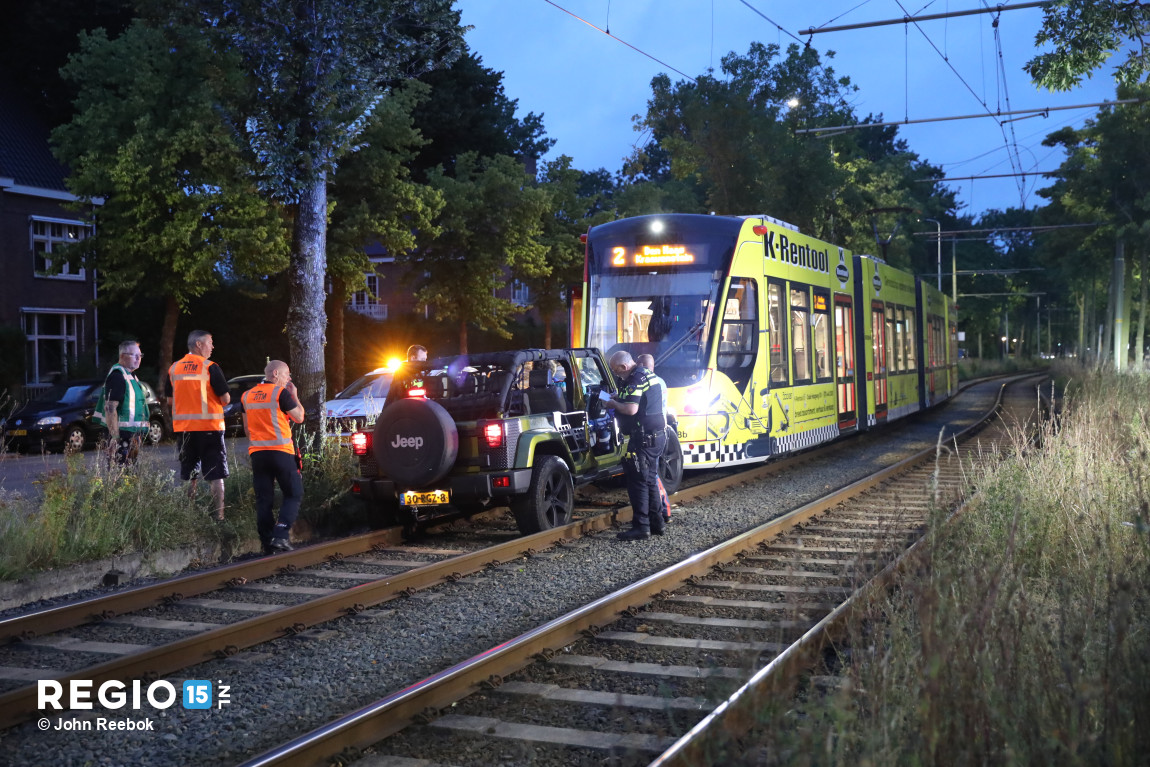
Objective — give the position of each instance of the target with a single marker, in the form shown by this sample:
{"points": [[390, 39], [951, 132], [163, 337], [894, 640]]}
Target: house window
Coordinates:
{"points": [[53, 343], [367, 301], [50, 235], [520, 293]]}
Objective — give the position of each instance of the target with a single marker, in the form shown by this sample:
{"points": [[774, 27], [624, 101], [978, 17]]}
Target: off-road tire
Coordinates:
{"points": [[550, 499]]}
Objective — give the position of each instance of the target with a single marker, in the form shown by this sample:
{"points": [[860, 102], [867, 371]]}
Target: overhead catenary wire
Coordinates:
{"points": [[860, 126], [577, 17]]}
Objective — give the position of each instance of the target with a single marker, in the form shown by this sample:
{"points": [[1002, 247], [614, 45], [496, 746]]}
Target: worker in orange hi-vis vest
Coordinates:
{"points": [[196, 392], [267, 407]]}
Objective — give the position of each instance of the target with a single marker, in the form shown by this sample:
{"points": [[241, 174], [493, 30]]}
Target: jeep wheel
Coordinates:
{"points": [[549, 500], [415, 442], [671, 465]]}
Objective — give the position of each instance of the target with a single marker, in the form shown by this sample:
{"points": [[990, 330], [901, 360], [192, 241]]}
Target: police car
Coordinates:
{"points": [[516, 428]]}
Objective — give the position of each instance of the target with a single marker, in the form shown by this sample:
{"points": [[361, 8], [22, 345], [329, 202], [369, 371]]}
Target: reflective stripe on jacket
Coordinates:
{"points": [[133, 410], [266, 425], [195, 406]]}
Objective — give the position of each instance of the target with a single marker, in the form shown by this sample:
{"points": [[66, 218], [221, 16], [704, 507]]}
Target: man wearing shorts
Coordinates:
{"points": [[197, 392]]}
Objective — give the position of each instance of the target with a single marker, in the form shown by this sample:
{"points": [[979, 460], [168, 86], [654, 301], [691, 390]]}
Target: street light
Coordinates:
{"points": [[939, 238]]}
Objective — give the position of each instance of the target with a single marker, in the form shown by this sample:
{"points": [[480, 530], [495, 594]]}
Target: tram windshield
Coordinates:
{"points": [[665, 315]]}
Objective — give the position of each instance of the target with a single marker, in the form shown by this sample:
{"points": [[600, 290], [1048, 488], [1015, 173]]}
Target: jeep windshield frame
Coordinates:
{"points": [[473, 386]]}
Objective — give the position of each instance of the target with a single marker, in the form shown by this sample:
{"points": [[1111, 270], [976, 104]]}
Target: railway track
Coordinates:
{"points": [[662, 670], [218, 612], [273, 609]]}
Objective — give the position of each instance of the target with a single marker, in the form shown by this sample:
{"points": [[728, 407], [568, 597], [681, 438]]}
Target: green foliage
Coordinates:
{"points": [[467, 110], [89, 510], [491, 223], [1024, 636], [373, 197], [1085, 33], [315, 73], [178, 205], [568, 215]]}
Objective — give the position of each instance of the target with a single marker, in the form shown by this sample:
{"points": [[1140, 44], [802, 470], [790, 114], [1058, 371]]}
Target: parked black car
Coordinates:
{"points": [[61, 418], [233, 415]]}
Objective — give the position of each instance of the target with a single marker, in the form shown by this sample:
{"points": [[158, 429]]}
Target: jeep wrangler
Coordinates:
{"points": [[516, 428]]}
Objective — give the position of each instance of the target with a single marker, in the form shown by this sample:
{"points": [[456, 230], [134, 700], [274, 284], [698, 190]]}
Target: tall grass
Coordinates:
{"points": [[92, 510], [1024, 638]]}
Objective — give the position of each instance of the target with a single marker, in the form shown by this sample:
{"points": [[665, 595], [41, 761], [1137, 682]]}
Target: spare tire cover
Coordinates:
{"points": [[415, 442]]}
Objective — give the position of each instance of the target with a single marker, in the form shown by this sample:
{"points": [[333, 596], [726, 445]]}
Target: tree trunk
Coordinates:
{"points": [[1140, 339], [463, 336], [306, 320], [547, 332], [336, 305], [166, 351]]}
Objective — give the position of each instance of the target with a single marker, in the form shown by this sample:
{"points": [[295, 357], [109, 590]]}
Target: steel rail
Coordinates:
{"points": [[106, 606], [396, 711]]}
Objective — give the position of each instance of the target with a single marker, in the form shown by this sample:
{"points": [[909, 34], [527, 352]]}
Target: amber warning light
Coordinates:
{"points": [[652, 255]]}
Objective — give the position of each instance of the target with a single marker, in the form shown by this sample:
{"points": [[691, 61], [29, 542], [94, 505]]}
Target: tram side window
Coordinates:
{"points": [[911, 354], [738, 337], [778, 334], [800, 338], [890, 364], [899, 339], [821, 324]]}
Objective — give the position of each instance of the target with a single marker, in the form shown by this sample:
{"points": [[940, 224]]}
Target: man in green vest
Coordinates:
{"points": [[123, 406]]}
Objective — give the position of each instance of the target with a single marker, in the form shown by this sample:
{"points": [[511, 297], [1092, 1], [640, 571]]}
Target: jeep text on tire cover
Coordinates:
{"points": [[518, 428]]}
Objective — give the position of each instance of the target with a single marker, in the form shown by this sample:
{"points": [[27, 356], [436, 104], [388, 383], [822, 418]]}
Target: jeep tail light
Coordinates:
{"points": [[501, 483], [356, 488], [493, 434], [361, 443], [418, 392]]}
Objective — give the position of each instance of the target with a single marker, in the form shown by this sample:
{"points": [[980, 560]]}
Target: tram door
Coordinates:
{"points": [[934, 337], [878, 349], [845, 362]]}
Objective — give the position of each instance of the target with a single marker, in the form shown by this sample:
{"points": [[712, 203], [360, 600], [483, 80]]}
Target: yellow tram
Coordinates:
{"points": [[769, 341]]}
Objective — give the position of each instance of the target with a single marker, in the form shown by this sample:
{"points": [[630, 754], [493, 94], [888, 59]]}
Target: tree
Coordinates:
{"points": [[1105, 178], [468, 111], [375, 201], [490, 227], [1085, 33], [569, 215], [316, 72], [179, 207]]}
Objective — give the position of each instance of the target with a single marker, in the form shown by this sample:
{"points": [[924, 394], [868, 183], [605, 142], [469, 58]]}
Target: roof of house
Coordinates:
{"points": [[24, 153]]}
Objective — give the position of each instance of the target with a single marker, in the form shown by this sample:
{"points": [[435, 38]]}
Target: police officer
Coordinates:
{"points": [[660, 500], [639, 410], [268, 406]]}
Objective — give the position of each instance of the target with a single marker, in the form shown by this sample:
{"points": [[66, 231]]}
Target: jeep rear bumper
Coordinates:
{"points": [[465, 487]]}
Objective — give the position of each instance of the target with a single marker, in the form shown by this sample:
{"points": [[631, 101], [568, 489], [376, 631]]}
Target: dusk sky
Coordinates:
{"points": [[588, 85]]}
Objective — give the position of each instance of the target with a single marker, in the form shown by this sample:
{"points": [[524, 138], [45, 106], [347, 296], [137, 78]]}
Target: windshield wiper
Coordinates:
{"points": [[691, 333]]}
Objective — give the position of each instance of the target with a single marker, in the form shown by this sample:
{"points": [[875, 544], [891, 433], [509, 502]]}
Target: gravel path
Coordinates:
{"points": [[290, 686]]}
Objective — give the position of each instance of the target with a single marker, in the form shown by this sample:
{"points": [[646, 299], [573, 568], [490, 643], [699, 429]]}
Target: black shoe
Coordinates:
{"points": [[660, 531], [268, 550], [634, 534], [282, 544], [667, 520]]}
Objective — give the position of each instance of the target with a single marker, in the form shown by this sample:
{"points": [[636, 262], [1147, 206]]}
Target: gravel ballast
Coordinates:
{"points": [[283, 689]]}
